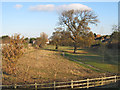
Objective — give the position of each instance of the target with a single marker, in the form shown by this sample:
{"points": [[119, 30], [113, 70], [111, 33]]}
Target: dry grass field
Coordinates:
{"points": [[46, 66]]}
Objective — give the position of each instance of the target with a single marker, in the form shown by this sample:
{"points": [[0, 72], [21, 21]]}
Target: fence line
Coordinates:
{"points": [[87, 83]]}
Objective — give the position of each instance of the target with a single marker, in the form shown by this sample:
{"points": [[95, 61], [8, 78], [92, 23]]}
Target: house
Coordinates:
{"points": [[98, 35], [47, 42]]}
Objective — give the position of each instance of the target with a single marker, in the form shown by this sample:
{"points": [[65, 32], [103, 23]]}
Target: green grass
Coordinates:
{"points": [[88, 67], [94, 60], [105, 66], [106, 60], [51, 47]]}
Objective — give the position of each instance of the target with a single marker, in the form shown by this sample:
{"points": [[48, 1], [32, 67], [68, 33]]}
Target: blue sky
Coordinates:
{"points": [[17, 17]]}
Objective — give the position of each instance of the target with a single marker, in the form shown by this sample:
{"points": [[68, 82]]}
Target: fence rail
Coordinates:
{"points": [[87, 83]]}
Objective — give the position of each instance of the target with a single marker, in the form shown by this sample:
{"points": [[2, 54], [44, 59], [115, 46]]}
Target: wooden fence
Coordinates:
{"points": [[87, 83]]}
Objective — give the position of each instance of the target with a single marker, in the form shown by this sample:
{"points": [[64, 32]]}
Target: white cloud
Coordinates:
{"points": [[51, 7], [73, 6], [18, 6]]}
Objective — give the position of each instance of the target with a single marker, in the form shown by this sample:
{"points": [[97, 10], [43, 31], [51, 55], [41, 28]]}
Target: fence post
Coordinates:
{"points": [[35, 86], [115, 78], [63, 54], [15, 86], [54, 85], [87, 82], [71, 83], [94, 83], [102, 80]]}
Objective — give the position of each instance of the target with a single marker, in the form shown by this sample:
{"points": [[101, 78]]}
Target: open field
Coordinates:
{"points": [[108, 60], [46, 66], [59, 44]]}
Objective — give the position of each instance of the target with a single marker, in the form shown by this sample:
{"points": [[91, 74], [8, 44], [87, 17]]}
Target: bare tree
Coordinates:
{"points": [[56, 39], [115, 36], [89, 39], [41, 41], [116, 28], [59, 37], [77, 23], [65, 39]]}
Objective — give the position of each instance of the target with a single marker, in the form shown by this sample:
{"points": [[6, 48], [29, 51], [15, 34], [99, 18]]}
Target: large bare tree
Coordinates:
{"points": [[77, 23]]}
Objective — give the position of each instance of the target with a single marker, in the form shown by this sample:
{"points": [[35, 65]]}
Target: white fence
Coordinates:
{"points": [[87, 83]]}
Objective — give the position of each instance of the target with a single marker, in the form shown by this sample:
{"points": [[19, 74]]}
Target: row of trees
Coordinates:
{"points": [[74, 29], [114, 41], [39, 41]]}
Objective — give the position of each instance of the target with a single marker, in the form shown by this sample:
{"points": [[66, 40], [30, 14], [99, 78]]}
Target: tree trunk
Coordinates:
{"points": [[56, 47], [75, 48]]}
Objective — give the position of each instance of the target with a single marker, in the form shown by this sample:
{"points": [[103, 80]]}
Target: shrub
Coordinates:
{"points": [[11, 52], [26, 45]]}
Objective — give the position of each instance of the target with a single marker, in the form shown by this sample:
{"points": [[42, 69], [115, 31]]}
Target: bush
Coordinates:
{"points": [[11, 52], [26, 45]]}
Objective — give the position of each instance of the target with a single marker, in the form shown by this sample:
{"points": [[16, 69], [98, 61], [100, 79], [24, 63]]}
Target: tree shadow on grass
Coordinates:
{"points": [[53, 50], [72, 52], [98, 59]]}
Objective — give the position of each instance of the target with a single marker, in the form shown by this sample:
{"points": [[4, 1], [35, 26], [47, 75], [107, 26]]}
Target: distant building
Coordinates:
{"points": [[47, 42], [33, 42], [98, 35]]}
